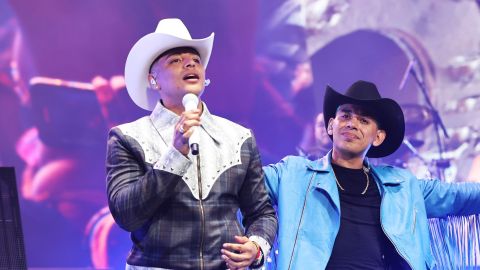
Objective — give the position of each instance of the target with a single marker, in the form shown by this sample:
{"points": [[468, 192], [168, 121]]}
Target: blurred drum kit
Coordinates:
{"points": [[409, 156], [452, 150], [453, 161]]}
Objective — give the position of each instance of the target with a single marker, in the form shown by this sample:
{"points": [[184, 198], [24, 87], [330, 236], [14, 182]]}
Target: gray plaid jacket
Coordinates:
{"points": [[154, 193]]}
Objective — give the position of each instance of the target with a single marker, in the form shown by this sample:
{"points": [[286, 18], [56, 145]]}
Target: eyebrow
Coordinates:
{"points": [[174, 51], [168, 56], [346, 110], [357, 112], [179, 54]]}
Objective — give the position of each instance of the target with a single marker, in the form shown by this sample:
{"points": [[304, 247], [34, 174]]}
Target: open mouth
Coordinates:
{"points": [[191, 77]]}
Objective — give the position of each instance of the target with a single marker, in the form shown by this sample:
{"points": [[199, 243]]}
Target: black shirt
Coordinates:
{"points": [[361, 242]]}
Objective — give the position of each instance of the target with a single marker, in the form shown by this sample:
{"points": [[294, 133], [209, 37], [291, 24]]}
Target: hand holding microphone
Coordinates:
{"points": [[185, 136]]}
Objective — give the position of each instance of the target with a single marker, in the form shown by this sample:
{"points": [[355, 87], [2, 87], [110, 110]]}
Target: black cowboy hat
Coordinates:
{"points": [[386, 111]]}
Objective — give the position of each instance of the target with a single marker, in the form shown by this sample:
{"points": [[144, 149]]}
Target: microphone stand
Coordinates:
{"points": [[442, 163]]}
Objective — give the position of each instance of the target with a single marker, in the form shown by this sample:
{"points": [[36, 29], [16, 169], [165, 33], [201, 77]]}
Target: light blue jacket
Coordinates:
{"points": [[308, 207]]}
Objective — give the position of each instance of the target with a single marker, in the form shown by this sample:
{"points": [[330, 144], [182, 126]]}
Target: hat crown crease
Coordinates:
{"points": [[173, 27], [364, 91]]}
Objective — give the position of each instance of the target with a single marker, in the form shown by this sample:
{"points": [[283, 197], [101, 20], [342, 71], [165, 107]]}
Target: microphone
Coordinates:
{"points": [[190, 102], [405, 75], [207, 82]]}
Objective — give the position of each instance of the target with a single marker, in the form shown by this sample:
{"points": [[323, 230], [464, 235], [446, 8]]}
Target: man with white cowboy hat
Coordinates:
{"points": [[181, 207], [341, 212]]}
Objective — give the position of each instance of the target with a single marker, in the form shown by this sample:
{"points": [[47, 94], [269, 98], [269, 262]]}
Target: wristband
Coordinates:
{"points": [[259, 257]]}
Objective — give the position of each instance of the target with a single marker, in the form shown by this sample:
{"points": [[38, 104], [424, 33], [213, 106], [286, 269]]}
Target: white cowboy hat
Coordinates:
{"points": [[170, 33]]}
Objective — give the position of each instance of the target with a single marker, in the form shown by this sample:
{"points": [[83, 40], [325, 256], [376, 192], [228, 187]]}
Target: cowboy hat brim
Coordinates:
{"points": [[142, 55], [389, 114]]}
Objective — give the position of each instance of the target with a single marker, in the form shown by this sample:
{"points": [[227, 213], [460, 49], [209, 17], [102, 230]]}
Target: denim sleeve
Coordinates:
{"points": [[442, 199]]}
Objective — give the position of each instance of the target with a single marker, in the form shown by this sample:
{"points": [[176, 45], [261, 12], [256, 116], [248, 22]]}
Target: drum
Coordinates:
{"points": [[108, 243]]}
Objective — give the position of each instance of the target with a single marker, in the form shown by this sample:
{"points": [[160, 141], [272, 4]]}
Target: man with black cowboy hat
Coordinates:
{"points": [[341, 212], [181, 208]]}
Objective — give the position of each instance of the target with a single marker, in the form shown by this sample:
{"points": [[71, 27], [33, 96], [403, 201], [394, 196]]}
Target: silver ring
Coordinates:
{"points": [[181, 130]]}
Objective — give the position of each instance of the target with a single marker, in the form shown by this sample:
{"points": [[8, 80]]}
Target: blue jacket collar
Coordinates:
{"points": [[384, 173], [324, 164]]}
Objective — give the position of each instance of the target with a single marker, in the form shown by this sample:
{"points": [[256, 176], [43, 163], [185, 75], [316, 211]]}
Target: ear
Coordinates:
{"points": [[153, 82], [380, 137], [330, 127]]}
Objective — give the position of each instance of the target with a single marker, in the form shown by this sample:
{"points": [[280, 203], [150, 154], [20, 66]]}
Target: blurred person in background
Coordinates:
{"points": [[315, 142]]}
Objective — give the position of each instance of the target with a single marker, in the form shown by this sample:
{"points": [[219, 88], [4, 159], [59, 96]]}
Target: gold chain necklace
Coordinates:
{"points": [[365, 171]]}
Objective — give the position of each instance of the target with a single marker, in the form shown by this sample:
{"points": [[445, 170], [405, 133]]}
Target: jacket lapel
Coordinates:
{"points": [[325, 179]]}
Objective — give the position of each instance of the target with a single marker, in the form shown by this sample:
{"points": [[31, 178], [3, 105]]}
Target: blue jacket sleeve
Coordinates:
{"points": [[442, 199]]}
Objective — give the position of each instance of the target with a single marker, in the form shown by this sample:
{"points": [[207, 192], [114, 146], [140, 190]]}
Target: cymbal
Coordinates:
{"points": [[417, 118]]}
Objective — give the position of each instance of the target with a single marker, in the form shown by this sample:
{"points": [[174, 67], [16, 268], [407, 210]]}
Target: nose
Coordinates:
{"points": [[190, 63], [352, 123]]}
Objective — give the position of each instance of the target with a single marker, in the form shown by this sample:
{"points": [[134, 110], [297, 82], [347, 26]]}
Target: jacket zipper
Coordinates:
{"points": [[414, 219], [300, 222], [202, 212], [390, 239]]}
